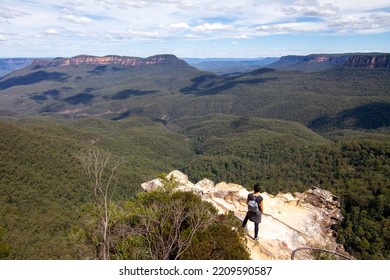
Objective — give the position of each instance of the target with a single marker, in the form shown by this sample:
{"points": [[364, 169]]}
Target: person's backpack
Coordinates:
{"points": [[253, 206]]}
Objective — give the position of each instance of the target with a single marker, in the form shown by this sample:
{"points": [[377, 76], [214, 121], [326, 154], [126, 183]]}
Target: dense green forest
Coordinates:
{"points": [[286, 130], [43, 191], [42, 186]]}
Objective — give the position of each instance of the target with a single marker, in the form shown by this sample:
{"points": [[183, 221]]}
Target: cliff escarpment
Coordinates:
{"points": [[107, 60], [290, 221], [319, 62], [373, 61]]}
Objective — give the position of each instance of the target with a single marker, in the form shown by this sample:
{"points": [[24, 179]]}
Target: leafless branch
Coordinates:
{"points": [[96, 165]]}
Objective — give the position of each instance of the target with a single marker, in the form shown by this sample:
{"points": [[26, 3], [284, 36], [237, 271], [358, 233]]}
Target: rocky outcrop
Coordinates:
{"points": [[107, 60], [290, 221], [372, 61], [319, 62]]}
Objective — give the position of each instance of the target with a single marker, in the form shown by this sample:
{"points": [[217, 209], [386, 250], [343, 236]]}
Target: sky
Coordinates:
{"points": [[192, 28]]}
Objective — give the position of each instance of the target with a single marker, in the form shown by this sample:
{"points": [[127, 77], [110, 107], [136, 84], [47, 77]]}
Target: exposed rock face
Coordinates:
{"points": [[107, 60], [289, 221], [369, 61], [318, 62]]}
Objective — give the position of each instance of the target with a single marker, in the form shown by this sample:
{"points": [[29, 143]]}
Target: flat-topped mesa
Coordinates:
{"points": [[107, 60], [289, 221]]}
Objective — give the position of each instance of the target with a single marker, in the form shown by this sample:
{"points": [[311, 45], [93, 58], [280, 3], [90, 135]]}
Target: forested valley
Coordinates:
{"points": [[286, 130]]}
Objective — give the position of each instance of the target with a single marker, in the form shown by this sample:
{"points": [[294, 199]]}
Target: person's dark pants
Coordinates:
{"points": [[256, 225]]}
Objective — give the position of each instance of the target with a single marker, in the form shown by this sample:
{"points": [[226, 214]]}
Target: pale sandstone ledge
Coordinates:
{"points": [[289, 221]]}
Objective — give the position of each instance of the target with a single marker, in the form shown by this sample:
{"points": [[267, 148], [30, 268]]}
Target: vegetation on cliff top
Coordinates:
{"points": [[43, 190]]}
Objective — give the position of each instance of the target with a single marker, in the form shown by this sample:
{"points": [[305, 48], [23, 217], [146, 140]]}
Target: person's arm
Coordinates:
{"points": [[247, 199], [261, 206]]}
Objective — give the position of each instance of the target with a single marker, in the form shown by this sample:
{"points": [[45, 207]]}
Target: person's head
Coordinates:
{"points": [[256, 188], [251, 196]]}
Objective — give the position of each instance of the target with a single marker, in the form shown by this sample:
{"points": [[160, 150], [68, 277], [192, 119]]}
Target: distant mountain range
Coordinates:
{"points": [[230, 66], [305, 63], [219, 66], [319, 62], [7, 65], [165, 87]]}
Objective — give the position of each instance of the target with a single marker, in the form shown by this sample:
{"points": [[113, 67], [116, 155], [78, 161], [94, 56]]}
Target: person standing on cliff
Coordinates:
{"points": [[254, 213]]}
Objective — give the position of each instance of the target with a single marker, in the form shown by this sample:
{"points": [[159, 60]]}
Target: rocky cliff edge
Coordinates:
{"points": [[107, 60], [290, 221]]}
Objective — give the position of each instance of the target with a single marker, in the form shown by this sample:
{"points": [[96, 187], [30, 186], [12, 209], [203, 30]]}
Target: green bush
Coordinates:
{"points": [[173, 225]]}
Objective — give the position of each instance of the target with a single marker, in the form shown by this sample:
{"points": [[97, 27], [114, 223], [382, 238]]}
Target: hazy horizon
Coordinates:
{"points": [[202, 58]]}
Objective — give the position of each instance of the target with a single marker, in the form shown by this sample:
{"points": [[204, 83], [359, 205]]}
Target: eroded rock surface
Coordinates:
{"points": [[290, 221], [107, 60]]}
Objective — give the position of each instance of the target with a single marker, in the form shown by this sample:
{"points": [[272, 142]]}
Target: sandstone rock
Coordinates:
{"points": [[107, 60], [289, 221], [151, 185], [369, 61]]}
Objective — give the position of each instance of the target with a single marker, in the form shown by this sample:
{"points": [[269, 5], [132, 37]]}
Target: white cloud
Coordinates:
{"points": [[361, 23], [130, 34], [2, 38], [353, 5], [241, 36], [207, 27], [11, 13], [179, 25], [51, 32], [76, 4], [311, 8], [293, 27], [76, 19], [185, 5], [125, 4], [192, 36]]}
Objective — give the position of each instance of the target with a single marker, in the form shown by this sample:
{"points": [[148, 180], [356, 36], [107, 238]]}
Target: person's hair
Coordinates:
{"points": [[256, 188], [251, 196]]}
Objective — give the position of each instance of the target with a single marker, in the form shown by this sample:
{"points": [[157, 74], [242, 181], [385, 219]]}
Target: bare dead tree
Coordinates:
{"points": [[162, 225], [100, 168]]}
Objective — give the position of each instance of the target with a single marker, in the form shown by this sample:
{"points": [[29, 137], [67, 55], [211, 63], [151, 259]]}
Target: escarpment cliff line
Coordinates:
{"points": [[320, 62], [107, 60], [290, 221], [369, 61]]}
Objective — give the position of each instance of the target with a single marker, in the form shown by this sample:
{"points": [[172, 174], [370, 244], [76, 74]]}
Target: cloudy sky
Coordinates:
{"points": [[192, 28]]}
